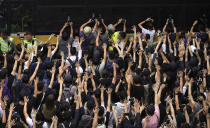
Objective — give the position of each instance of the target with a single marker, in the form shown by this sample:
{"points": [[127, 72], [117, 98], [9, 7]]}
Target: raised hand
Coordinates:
{"points": [[195, 22]]}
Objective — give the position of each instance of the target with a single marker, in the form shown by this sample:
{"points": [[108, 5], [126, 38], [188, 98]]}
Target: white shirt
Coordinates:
{"points": [[151, 33]]}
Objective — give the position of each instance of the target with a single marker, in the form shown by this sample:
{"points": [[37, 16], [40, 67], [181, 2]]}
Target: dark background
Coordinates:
{"points": [[47, 16]]}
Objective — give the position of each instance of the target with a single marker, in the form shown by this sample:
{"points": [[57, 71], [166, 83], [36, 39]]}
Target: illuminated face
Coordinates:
{"points": [[29, 37]]}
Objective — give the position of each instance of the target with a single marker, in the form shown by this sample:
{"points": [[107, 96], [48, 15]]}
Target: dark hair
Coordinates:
{"points": [[65, 36], [150, 109], [122, 34], [111, 55], [25, 78], [3, 73], [40, 86], [73, 50], [50, 101], [90, 105], [137, 79], [122, 95], [101, 111]]}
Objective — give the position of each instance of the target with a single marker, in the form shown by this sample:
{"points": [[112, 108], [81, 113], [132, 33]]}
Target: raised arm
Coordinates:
{"points": [[106, 28], [25, 107], [97, 38], [15, 66], [5, 60], [208, 65], [190, 98], [56, 47], [63, 28], [118, 86], [86, 23], [19, 70], [174, 27], [102, 95], [114, 73], [164, 28], [95, 119], [140, 58], [36, 81], [52, 77], [118, 22], [124, 26], [109, 92], [72, 30], [194, 23], [141, 23], [35, 71], [22, 52], [95, 26], [60, 90]]}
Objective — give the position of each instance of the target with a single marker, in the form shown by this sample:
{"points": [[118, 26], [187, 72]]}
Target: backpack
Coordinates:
{"points": [[72, 63], [66, 94]]}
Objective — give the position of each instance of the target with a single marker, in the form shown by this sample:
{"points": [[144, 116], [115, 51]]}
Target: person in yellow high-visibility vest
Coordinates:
{"points": [[30, 42], [112, 34], [7, 43]]}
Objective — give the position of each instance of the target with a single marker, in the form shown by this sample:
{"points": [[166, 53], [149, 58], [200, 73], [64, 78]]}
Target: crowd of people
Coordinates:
{"points": [[103, 78]]}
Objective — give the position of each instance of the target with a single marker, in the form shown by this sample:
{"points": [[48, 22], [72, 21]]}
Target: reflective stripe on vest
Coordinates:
{"points": [[29, 45], [4, 45]]}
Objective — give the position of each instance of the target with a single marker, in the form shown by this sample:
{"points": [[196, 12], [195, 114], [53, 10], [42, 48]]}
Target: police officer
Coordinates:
{"points": [[30, 42], [7, 43]]}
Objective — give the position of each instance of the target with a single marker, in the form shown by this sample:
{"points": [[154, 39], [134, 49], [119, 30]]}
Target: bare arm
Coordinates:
{"points": [[60, 90], [117, 87], [89, 21], [19, 71], [56, 47], [35, 71], [141, 23], [52, 77], [124, 26], [63, 28], [118, 22], [164, 28], [72, 30], [96, 25], [15, 66], [114, 73], [109, 99], [174, 27], [194, 23], [106, 28], [140, 59], [5, 60], [95, 119], [102, 95], [191, 100]]}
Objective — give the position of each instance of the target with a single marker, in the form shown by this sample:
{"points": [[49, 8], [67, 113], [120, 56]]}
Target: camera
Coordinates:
{"points": [[68, 19], [93, 16]]}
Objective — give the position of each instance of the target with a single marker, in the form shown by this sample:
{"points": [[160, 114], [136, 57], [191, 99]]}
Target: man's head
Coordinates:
{"points": [[150, 109], [4, 34], [121, 35], [87, 30], [111, 28], [29, 36]]}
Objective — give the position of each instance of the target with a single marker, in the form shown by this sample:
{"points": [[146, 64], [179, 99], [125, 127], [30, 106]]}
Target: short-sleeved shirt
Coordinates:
{"points": [[154, 120], [87, 39], [151, 33]]}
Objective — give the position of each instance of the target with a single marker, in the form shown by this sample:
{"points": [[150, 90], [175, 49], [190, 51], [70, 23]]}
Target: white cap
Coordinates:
{"points": [[87, 30], [110, 27]]}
